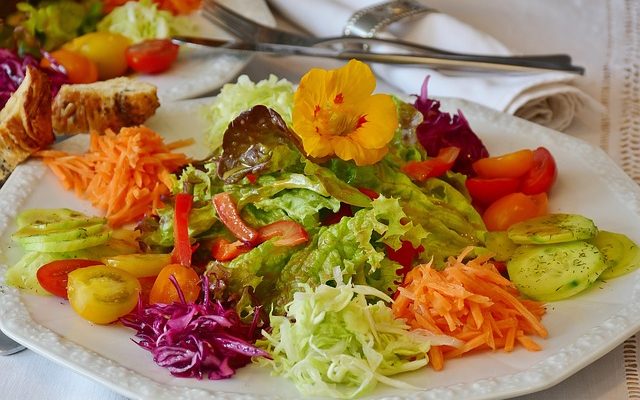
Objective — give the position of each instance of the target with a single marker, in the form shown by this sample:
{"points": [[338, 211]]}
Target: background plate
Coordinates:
{"points": [[581, 329], [201, 71]]}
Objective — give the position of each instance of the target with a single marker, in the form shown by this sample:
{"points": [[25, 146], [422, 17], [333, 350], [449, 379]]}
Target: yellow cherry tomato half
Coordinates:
{"points": [[106, 49], [102, 294], [139, 265], [79, 68], [510, 165], [164, 291]]}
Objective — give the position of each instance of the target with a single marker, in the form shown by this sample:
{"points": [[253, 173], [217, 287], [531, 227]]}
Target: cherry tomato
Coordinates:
{"points": [[485, 191], [164, 291], [79, 68], [432, 167], [543, 174], [372, 194], [146, 284], [510, 165], [404, 256], [102, 294], [53, 276], [152, 56], [105, 49], [224, 250], [289, 233], [139, 265], [335, 217], [512, 208], [230, 217]]}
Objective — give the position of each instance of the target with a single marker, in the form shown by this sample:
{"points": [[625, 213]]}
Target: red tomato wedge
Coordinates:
{"points": [[513, 208], [152, 56], [510, 165], [230, 217], [405, 256], [485, 191], [543, 175], [53, 276], [432, 167], [290, 233], [224, 250]]}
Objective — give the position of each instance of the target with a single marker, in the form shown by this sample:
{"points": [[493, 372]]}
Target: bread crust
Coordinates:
{"points": [[25, 125], [98, 106]]}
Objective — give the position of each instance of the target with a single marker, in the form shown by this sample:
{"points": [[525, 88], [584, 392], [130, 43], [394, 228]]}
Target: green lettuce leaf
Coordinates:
{"points": [[141, 20], [333, 343], [351, 250]]}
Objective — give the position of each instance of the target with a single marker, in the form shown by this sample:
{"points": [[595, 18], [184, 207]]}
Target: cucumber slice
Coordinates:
{"points": [[621, 254], [553, 228], [500, 245], [555, 271], [51, 219], [31, 235], [69, 245]]}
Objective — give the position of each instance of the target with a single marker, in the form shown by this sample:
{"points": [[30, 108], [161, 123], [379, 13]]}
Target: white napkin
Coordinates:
{"points": [[546, 98]]}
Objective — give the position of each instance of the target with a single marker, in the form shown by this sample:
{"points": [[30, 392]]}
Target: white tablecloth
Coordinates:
{"points": [[601, 35]]}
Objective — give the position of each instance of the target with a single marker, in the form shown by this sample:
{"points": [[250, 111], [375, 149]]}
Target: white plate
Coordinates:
{"points": [[198, 72], [581, 329]]}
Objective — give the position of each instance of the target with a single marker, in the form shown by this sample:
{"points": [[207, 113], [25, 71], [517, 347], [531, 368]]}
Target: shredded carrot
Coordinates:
{"points": [[469, 301], [123, 174]]}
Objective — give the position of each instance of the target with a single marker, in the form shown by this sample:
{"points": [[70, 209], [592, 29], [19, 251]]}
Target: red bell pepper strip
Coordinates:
{"points": [[182, 244], [230, 217]]}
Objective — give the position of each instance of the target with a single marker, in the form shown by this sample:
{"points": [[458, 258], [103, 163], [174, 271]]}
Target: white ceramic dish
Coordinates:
{"points": [[581, 329], [198, 72]]}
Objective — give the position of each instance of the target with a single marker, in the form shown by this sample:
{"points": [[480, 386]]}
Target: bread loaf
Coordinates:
{"points": [[25, 121], [110, 104]]}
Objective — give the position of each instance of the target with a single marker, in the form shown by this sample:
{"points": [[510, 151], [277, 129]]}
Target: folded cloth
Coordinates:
{"points": [[547, 98]]}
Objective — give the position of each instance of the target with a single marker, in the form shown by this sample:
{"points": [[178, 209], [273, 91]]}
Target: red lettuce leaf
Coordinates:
{"points": [[440, 129]]}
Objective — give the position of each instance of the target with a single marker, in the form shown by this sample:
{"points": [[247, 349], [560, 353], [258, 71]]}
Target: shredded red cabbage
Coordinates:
{"points": [[193, 340], [440, 129], [13, 69]]}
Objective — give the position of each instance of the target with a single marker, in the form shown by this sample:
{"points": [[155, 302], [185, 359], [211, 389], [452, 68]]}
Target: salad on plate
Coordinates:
{"points": [[337, 237]]}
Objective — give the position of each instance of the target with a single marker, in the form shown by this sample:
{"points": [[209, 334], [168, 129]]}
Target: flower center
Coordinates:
{"points": [[334, 118]]}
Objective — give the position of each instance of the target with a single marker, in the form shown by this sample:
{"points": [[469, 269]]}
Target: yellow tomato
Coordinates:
{"points": [[164, 291], [139, 265], [106, 49], [102, 294], [78, 67]]}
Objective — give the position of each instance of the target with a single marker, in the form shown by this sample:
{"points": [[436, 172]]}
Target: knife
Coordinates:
{"points": [[444, 61]]}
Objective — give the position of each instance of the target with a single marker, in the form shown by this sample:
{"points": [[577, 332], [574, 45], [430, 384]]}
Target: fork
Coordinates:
{"points": [[251, 31]]}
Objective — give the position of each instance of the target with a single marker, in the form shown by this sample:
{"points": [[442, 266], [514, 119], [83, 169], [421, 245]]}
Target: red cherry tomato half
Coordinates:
{"points": [[290, 233], [53, 276], [432, 167], [510, 165], [543, 174], [485, 191], [513, 208], [152, 56]]}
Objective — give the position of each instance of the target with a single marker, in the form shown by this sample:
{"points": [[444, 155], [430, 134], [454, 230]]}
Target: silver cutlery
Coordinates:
{"points": [[442, 61], [9, 346], [249, 31]]}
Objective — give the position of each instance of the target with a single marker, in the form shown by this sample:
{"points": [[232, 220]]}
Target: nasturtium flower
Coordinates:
{"points": [[336, 113]]}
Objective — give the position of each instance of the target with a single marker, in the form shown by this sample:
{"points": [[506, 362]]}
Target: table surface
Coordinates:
{"points": [[602, 36]]}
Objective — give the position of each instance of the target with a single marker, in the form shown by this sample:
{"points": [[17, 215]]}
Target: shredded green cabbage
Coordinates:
{"points": [[234, 98], [339, 345], [141, 20]]}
